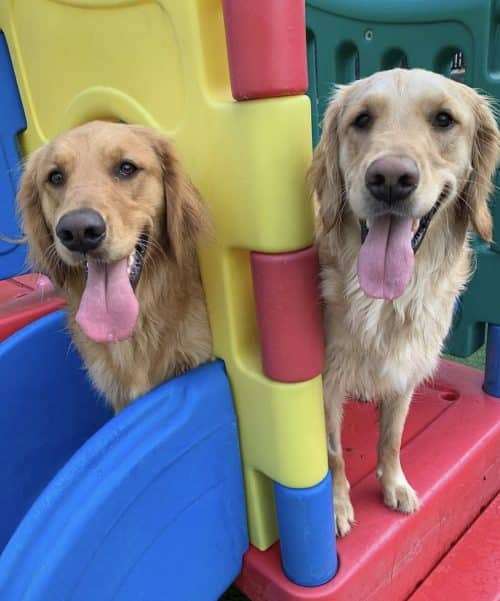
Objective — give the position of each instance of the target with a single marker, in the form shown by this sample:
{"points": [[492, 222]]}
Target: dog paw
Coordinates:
{"points": [[401, 497], [344, 515]]}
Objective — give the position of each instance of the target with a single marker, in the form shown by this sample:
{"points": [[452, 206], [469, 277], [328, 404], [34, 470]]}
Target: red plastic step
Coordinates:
{"points": [[24, 299], [471, 570], [266, 47], [451, 455], [360, 430], [286, 288]]}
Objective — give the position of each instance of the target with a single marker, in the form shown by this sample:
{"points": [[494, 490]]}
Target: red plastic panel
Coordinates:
{"points": [[266, 46], [471, 570], [24, 299], [286, 288], [453, 461]]}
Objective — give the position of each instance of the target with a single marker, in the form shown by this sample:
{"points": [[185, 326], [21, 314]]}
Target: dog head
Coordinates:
{"points": [[397, 148], [100, 202]]}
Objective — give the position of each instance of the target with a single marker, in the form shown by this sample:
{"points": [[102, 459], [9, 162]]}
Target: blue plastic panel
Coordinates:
{"points": [[492, 367], [47, 411], [150, 508], [12, 121], [307, 534]]}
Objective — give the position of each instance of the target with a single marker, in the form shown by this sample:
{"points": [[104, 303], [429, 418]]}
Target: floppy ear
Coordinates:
{"points": [[41, 254], [485, 154], [324, 174], [187, 216]]}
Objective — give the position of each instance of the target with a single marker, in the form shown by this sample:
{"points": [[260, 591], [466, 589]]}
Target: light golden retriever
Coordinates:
{"points": [[404, 166], [111, 217]]}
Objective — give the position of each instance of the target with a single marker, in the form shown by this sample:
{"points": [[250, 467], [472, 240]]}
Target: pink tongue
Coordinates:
{"points": [[108, 309], [385, 262]]}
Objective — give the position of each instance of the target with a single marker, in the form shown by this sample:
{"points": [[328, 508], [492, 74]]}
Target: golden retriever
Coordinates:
{"points": [[404, 166], [111, 217]]}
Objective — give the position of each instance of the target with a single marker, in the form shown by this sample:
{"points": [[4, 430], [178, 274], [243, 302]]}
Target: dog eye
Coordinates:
{"points": [[127, 169], [443, 120], [56, 178], [363, 120]]}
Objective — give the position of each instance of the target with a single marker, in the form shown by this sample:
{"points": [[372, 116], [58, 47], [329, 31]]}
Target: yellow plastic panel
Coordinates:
{"points": [[262, 520], [163, 63], [66, 48]]}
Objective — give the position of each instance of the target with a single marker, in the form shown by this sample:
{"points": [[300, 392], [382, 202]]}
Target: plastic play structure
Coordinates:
{"points": [[221, 474]]}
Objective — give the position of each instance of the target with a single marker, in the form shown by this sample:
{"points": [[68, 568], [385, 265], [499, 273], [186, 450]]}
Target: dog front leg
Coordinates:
{"points": [[344, 513], [398, 494]]}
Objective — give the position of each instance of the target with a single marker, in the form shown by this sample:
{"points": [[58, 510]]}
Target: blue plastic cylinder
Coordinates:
{"points": [[307, 533], [491, 383]]}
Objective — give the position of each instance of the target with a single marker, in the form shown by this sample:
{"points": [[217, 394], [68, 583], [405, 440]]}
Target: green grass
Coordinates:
{"points": [[475, 360]]}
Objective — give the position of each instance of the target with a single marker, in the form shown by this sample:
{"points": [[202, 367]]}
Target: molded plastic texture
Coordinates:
{"points": [[451, 455], [266, 46], [492, 368], [287, 299], [153, 498], [47, 411], [478, 305], [12, 121], [307, 533], [254, 184], [470, 571], [24, 299]]}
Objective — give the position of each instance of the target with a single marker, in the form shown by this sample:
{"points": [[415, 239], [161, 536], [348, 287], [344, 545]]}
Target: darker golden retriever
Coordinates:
{"points": [[403, 168], [111, 217]]}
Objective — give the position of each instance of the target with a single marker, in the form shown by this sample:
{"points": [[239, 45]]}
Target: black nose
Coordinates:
{"points": [[81, 230], [392, 178]]}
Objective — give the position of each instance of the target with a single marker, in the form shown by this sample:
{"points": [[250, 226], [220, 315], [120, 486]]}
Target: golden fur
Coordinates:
{"points": [[382, 349], [172, 332]]}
